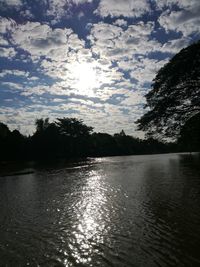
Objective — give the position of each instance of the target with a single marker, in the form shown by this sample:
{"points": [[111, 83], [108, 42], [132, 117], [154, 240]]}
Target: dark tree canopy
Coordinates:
{"points": [[70, 138], [175, 94], [41, 124], [73, 127], [190, 134], [4, 131]]}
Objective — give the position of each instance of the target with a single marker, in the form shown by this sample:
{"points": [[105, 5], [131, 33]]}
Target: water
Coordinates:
{"points": [[118, 211]]}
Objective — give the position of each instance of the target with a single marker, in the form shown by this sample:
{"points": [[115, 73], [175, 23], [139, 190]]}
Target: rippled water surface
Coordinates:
{"points": [[118, 211]]}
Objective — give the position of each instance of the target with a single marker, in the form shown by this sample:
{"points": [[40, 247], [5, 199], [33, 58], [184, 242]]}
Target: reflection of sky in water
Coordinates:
{"points": [[90, 228]]}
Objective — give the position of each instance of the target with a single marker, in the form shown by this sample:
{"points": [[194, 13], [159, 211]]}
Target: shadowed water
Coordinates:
{"points": [[118, 211]]}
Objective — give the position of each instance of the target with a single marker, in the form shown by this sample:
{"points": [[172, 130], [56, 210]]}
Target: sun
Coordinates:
{"points": [[86, 78]]}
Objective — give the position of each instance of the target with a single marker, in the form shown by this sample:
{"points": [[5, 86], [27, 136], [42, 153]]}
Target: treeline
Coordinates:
{"points": [[71, 138]]}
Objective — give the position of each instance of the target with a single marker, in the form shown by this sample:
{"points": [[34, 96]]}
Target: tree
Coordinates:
{"points": [[175, 95], [4, 130], [73, 127], [41, 125], [189, 139]]}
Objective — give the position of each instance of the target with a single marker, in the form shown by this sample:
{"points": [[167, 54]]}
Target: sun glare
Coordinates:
{"points": [[86, 77]]}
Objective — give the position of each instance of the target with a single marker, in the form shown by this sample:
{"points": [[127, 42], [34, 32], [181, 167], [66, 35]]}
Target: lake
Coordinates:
{"points": [[116, 211]]}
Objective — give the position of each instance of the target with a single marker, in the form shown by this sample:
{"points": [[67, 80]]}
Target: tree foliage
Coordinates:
{"points": [[189, 139], [175, 94], [4, 131], [41, 124], [71, 138], [73, 127]]}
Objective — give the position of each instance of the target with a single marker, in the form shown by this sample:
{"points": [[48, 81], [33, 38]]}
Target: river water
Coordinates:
{"points": [[117, 211]]}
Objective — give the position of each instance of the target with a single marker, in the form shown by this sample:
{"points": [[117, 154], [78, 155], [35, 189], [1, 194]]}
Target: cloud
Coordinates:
{"points": [[57, 9], [10, 4], [124, 54], [62, 8], [41, 40], [126, 8], [93, 114], [132, 99], [120, 22], [175, 45], [78, 2], [6, 24], [116, 44], [12, 85], [14, 72], [3, 42], [180, 3], [7, 52], [26, 13], [53, 10], [186, 20], [145, 69], [104, 31]]}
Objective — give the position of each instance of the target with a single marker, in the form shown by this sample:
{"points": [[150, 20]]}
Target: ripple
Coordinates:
{"points": [[118, 211]]}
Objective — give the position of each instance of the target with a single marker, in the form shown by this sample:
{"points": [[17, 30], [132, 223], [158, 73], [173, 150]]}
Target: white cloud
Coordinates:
{"points": [[104, 31], [62, 8], [6, 24], [11, 3], [14, 72], [133, 98], [7, 52], [186, 20], [175, 45], [78, 2], [110, 115], [120, 22], [145, 69], [41, 40], [26, 14], [12, 85], [3, 42], [180, 3], [114, 43], [56, 8], [126, 8]]}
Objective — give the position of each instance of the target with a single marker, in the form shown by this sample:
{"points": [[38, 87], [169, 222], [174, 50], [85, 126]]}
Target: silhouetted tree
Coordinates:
{"points": [[70, 138], [4, 131], [12, 144], [104, 145], [122, 133], [73, 127], [16, 145], [46, 140], [175, 94], [189, 139], [41, 124]]}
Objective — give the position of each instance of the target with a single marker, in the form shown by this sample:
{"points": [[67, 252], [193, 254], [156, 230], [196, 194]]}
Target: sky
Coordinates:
{"points": [[89, 59]]}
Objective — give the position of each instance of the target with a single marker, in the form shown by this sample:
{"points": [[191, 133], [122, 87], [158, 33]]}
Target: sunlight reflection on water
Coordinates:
{"points": [[118, 211], [90, 227]]}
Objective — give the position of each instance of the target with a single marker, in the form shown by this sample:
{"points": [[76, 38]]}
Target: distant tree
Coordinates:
{"points": [[71, 138], [16, 144], [45, 142], [73, 127], [4, 130], [104, 144], [175, 95], [122, 133], [41, 124]]}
